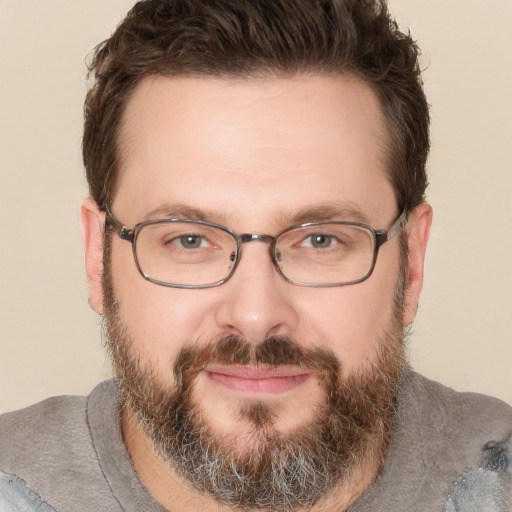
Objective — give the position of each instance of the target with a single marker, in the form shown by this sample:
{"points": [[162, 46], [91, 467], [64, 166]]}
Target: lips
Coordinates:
{"points": [[257, 380]]}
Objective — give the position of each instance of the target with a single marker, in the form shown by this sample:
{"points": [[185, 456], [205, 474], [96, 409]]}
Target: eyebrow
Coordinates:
{"points": [[182, 211], [333, 211]]}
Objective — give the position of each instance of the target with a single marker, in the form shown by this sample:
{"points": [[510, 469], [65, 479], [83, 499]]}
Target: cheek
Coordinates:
{"points": [[350, 321], [160, 320]]}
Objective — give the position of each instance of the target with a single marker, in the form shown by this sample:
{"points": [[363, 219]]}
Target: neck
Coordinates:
{"points": [[169, 489]]}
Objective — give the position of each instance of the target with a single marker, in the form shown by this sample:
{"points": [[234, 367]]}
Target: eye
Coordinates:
{"points": [[190, 241], [320, 241]]}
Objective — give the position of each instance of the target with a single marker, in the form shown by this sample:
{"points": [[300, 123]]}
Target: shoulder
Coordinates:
{"points": [[467, 442], [49, 447], [459, 418], [53, 424]]}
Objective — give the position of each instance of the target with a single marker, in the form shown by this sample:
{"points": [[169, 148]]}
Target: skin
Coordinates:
{"points": [[255, 156]]}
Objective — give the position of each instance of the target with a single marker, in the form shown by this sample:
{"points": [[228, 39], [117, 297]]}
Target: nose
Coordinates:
{"points": [[257, 301]]}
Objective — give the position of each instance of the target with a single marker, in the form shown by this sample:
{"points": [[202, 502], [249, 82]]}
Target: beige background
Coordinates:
{"points": [[50, 341]]}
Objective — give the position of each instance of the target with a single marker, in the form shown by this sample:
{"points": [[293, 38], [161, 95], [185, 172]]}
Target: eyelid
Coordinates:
{"points": [[332, 237], [177, 240]]}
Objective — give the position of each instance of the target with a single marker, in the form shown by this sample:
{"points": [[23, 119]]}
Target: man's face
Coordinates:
{"points": [[256, 156]]}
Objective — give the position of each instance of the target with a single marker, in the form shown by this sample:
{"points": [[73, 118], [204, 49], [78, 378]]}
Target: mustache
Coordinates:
{"points": [[272, 352]]}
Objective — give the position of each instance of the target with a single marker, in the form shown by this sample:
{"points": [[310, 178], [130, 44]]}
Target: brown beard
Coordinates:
{"points": [[275, 471]]}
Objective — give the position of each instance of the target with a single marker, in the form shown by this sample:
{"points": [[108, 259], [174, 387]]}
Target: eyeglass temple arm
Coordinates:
{"points": [[122, 231], [384, 236]]}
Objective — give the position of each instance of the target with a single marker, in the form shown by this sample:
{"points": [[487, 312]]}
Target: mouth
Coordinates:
{"points": [[257, 380]]}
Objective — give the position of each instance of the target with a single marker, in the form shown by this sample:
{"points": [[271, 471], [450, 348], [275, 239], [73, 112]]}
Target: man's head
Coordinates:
{"points": [[257, 118]]}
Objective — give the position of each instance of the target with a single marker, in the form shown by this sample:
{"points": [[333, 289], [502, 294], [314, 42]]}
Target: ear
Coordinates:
{"points": [[93, 224], [417, 232]]}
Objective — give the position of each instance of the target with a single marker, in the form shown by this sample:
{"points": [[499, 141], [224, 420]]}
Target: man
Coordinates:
{"points": [[255, 241]]}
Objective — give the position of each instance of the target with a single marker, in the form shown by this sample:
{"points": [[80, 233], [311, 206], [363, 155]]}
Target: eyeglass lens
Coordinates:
{"points": [[190, 254]]}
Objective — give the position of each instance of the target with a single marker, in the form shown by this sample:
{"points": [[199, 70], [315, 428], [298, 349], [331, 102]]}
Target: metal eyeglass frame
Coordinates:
{"points": [[130, 235]]}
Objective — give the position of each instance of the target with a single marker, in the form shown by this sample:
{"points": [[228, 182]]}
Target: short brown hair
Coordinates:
{"points": [[244, 38]]}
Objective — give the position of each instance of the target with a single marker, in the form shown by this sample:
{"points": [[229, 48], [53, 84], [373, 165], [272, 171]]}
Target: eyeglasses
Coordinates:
{"points": [[184, 253]]}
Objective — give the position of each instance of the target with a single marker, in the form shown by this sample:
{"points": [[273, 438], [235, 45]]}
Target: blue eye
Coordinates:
{"points": [[190, 241], [319, 241]]}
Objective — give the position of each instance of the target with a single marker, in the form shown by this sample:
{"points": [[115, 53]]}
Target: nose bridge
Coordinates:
{"points": [[256, 304], [255, 237], [245, 238]]}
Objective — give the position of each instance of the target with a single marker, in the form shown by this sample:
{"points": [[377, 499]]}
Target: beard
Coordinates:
{"points": [[263, 469]]}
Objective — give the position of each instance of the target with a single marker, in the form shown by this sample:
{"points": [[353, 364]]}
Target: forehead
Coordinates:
{"points": [[252, 147]]}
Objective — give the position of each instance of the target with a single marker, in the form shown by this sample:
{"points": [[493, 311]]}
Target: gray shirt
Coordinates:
{"points": [[450, 451]]}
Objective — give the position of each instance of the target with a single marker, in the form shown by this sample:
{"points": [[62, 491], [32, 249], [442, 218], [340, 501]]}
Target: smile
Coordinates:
{"points": [[257, 380]]}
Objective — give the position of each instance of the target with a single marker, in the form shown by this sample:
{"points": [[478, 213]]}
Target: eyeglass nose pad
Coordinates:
{"points": [[232, 256], [278, 255]]}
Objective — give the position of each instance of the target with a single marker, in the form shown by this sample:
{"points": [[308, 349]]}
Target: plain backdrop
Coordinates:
{"points": [[50, 339]]}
